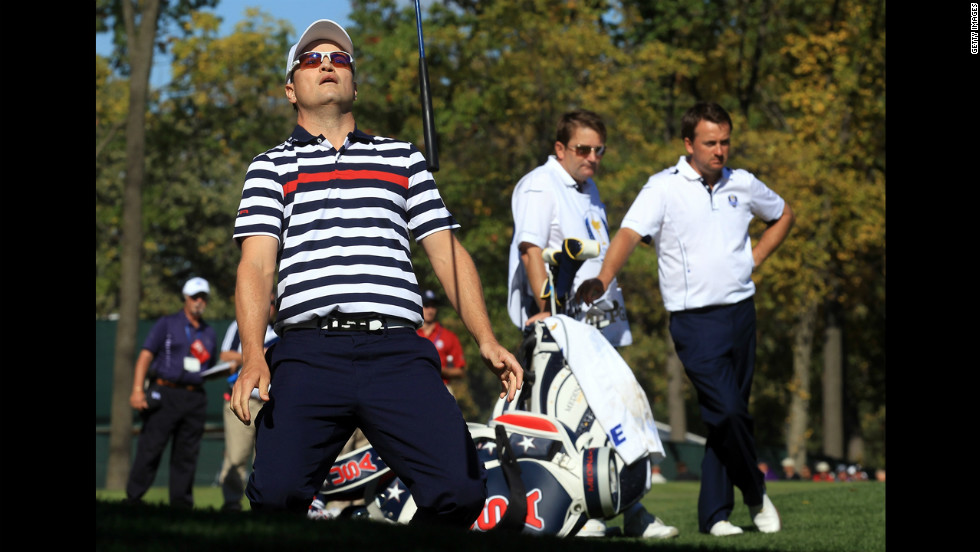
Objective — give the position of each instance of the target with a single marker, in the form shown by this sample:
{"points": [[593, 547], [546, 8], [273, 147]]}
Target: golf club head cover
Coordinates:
{"points": [[580, 250], [545, 291], [565, 263]]}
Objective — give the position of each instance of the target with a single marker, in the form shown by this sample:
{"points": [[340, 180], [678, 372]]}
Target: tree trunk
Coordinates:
{"points": [[833, 388], [139, 42], [675, 394], [799, 387], [855, 449]]}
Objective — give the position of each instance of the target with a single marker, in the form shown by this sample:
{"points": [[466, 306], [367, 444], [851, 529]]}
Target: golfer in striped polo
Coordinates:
{"points": [[336, 209]]}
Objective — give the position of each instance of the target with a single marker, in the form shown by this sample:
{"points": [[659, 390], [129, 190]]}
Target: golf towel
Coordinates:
{"points": [[611, 389]]}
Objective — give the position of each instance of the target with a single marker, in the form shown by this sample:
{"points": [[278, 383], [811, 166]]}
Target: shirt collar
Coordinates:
{"points": [[687, 171], [566, 178], [303, 137], [436, 329], [182, 316]]}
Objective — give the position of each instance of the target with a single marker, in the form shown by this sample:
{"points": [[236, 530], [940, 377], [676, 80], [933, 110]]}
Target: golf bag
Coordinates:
{"points": [[538, 482], [550, 463]]}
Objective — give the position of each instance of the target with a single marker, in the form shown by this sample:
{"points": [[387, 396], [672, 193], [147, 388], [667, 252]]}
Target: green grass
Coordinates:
{"points": [[817, 517]]}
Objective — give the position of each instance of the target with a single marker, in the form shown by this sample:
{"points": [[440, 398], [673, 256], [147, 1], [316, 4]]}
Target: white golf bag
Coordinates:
{"points": [[551, 465]]}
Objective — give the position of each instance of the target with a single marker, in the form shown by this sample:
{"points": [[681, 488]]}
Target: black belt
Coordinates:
{"points": [[175, 385], [354, 323]]}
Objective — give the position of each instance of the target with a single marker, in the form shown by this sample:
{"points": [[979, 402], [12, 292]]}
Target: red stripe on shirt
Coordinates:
{"points": [[345, 175]]}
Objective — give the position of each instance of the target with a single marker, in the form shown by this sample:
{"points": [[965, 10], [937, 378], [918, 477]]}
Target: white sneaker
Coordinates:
{"points": [[765, 516], [592, 528], [318, 510], [646, 525], [724, 528]]}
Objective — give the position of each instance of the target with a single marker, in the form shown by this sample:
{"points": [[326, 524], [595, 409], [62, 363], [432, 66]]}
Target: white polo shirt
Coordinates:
{"points": [[704, 254], [548, 208]]}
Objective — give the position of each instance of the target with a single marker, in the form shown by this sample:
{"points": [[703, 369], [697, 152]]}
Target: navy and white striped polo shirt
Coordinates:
{"points": [[343, 220]]}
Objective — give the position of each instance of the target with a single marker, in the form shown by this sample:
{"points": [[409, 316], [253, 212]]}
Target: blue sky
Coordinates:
{"points": [[300, 13]]}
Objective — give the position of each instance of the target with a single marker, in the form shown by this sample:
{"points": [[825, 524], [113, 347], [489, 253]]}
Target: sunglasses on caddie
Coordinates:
{"points": [[583, 151]]}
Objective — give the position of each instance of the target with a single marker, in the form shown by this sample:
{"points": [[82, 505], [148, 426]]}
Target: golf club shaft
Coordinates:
{"points": [[428, 117]]}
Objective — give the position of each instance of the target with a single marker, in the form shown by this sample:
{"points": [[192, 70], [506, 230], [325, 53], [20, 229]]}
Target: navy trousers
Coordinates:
{"points": [[717, 347], [181, 415], [388, 383]]}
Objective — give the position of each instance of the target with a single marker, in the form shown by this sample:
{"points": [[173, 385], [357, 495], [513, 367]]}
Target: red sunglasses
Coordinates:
{"points": [[312, 60]]}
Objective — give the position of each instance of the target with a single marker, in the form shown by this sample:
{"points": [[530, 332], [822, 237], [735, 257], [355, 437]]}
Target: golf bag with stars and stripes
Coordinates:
{"points": [[538, 482], [577, 442]]}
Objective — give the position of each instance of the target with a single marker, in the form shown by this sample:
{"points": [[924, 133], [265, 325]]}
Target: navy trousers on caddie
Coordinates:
{"points": [[181, 416], [717, 347], [327, 383]]}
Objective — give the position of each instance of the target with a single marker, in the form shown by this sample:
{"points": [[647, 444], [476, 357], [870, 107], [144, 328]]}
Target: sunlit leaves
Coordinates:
{"points": [[804, 81]]}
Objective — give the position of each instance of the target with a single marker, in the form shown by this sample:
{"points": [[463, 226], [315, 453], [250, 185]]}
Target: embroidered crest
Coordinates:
{"points": [[733, 200]]}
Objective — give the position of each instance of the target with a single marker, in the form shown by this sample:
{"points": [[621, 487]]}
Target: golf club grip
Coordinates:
{"points": [[428, 117]]}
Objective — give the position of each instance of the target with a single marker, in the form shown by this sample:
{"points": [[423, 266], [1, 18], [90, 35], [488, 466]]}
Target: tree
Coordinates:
{"points": [[834, 105], [137, 22], [803, 81], [224, 105], [111, 105]]}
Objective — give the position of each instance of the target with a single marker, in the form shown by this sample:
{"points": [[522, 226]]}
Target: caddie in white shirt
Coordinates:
{"points": [[553, 202], [559, 200]]}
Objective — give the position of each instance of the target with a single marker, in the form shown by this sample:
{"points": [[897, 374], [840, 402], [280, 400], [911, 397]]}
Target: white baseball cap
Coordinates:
{"points": [[195, 286], [324, 29]]}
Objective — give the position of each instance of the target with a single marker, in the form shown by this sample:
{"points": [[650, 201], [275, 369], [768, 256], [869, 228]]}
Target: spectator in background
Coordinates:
{"points": [[849, 473], [656, 476], [805, 473], [789, 470], [823, 472], [168, 392], [683, 473], [446, 343], [239, 438], [767, 474]]}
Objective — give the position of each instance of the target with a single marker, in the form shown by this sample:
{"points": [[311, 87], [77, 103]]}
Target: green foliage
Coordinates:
{"points": [[804, 82], [224, 105], [111, 100], [109, 19]]}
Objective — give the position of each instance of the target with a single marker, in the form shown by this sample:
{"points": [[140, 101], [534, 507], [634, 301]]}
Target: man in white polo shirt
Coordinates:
{"points": [[560, 200], [697, 214], [557, 200]]}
